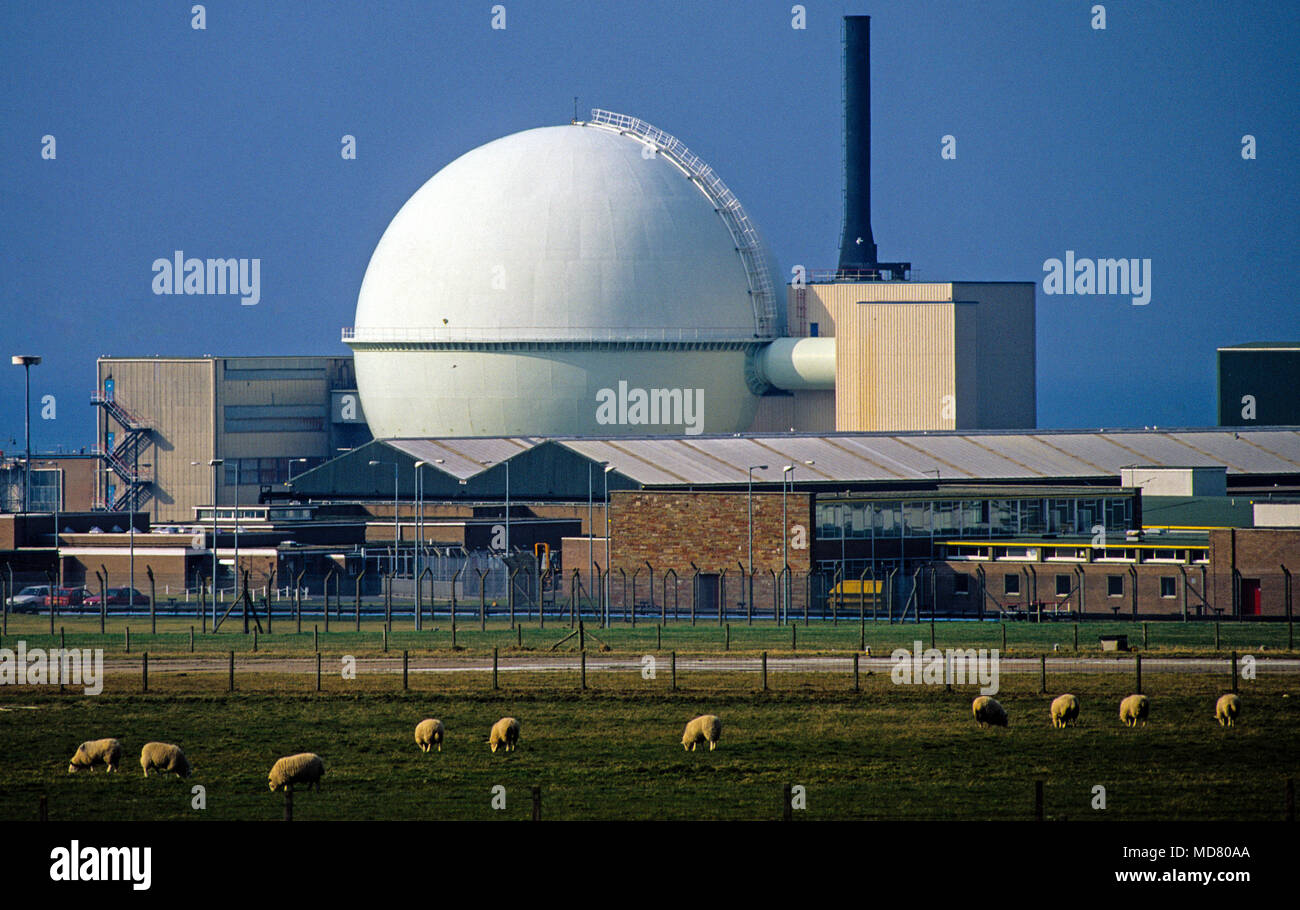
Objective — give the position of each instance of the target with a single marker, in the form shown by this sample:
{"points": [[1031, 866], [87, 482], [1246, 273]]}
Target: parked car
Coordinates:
{"points": [[68, 597], [29, 599], [119, 597]]}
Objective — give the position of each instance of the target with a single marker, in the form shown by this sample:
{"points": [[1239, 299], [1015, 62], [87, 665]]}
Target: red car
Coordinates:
{"points": [[118, 597], [68, 597]]}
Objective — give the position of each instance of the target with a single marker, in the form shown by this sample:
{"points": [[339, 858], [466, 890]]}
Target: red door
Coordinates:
{"points": [[1250, 599]]}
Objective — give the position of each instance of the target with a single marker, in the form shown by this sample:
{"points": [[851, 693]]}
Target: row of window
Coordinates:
{"points": [[266, 470], [973, 517], [1066, 585], [1186, 555]]}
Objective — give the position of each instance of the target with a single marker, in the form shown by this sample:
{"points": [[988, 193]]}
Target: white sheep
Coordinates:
{"points": [[428, 733], [505, 733], [1133, 710], [988, 711], [303, 768], [164, 757], [1227, 709], [95, 752], [705, 728], [1065, 710]]}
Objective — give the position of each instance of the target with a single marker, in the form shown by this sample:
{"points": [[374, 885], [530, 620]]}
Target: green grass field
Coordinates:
{"points": [[613, 752], [1022, 638]]}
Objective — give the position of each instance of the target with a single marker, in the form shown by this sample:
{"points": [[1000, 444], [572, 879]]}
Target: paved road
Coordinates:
{"points": [[567, 663]]}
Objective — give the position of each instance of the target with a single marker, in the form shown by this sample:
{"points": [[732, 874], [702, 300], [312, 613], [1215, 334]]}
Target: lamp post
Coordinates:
{"points": [[787, 479], [214, 464], [292, 462], [26, 361], [396, 529], [419, 539], [608, 570], [750, 485]]}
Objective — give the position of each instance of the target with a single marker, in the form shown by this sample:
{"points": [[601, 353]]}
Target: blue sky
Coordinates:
{"points": [[225, 143]]}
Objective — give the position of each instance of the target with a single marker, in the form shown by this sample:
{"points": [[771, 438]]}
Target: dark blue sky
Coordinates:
{"points": [[225, 143]]}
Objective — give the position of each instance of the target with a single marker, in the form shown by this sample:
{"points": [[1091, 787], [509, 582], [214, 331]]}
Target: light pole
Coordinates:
{"points": [[26, 361], [787, 475], [750, 483], [608, 570], [214, 464], [419, 539], [396, 530], [292, 462], [238, 478]]}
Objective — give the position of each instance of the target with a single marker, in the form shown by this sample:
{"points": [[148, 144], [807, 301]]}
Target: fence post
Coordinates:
{"points": [[659, 637], [1137, 664], [794, 637], [764, 671], [1076, 636], [384, 633], [1004, 635], [1145, 645], [128, 639], [63, 638], [537, 804], [584, 670], [231, 686], [153, 597], [494, 669], [1234, 671], [254, 639], [191, 639], [726, 639], [1216, 636], [674, 671], [519, 636], [1038, 800], [405, 669], [787, 808], [931, 629], [317, 671], [856, 686], [1042, 667], [144, 673]]}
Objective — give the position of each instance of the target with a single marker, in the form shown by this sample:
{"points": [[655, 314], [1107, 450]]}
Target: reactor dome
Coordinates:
{"points": [[588, 279]]}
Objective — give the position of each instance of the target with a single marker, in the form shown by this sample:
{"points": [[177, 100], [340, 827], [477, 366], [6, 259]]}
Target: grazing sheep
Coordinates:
{"points": [[303, 768], [705, 728], [1065, 710], [95, 752], [1133, 710], [164, 757], [505, 732], [428, 733], [1227, 709], [989, 711]]}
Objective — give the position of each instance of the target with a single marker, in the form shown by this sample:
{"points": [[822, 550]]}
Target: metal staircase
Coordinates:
{"points": [[136, 485]]}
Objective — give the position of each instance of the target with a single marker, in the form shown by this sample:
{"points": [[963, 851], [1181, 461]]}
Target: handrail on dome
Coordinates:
{"points": [[748, 242]]}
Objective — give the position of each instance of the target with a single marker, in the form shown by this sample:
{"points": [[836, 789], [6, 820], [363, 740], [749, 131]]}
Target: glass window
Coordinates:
{"points": [[858, 528], [1115, 585], [1063, 585], [1004, 517], [1033, 517], [828, 521], [1168, 586], [916, 519], [947, 518], [961, 583], [1060, 517], [1011, 584], [887, 517], [974, 518]]}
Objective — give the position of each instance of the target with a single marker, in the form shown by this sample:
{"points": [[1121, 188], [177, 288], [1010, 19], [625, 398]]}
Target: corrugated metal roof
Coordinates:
{"points": [[1032, 455]]}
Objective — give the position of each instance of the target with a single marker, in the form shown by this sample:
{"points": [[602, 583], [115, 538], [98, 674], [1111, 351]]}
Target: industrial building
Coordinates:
{"points": [[162, 422]]}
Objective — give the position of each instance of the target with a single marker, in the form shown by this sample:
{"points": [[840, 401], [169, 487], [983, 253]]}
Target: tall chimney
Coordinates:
{"points": [[857, 246]]}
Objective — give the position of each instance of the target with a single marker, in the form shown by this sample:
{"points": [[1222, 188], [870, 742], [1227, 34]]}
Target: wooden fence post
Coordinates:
{"points": [[1042, 668], [674, 671], [317, 671], [1137, 665], [231, 687], [144, 673], [405, 670], [856, 686], [494, 669], [765, 669]]}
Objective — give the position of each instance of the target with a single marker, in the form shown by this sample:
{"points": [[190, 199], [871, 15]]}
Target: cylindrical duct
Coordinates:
{"points": [[798, 364]]}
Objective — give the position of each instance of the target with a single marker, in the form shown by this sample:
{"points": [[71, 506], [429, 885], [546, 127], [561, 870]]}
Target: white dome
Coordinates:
{"points": [[535, 277], [560, 229]]}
